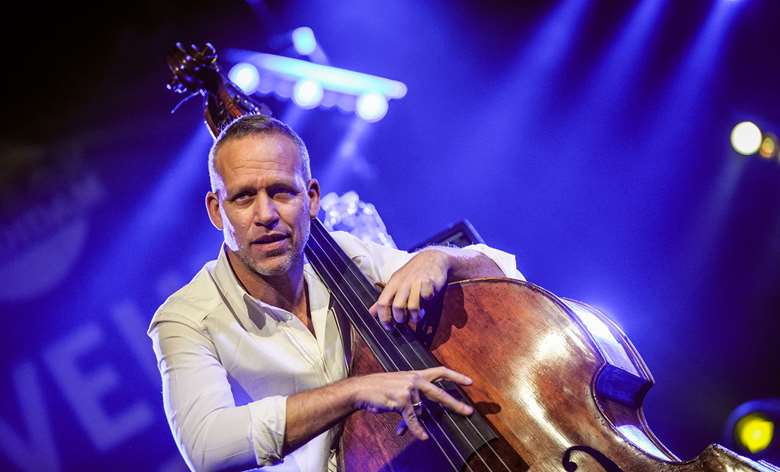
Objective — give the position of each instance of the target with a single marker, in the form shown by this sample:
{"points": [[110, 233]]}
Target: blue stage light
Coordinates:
{"points": [[307, 94], [304, 41], [372, 106], [245, 75], [330, 78]]}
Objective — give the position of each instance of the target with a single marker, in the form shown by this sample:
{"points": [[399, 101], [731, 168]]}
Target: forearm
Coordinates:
{"points": [[468, 263], [311, 412]]}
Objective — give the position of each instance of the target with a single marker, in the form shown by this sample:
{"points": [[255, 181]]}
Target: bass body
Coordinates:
{"points": [[559, 384]]}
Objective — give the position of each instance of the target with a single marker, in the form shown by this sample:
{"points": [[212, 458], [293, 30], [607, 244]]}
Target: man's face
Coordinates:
{"points": [[262, 202]]}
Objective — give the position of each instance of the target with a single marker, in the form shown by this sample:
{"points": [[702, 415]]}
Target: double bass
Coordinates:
{"points": [[557, 385]]}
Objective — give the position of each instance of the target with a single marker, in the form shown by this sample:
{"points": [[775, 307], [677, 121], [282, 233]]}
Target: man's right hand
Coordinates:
{"points": [[311, 412], [401, 392]]}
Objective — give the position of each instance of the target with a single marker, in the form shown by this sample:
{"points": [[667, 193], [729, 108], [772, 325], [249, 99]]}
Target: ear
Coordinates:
{"points": [[212, 207], [313, 190]]}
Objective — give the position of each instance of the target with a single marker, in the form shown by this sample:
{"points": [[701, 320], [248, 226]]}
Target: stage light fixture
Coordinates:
{"points": [[371, 107], [754, 432], [312, 84], [245, 75], [304, 41], [768, 147], [307, 94], [751, 430], [746, 138]]}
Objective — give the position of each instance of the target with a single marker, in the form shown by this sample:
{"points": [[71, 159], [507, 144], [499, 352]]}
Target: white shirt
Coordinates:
{"points": [[211, 333]]}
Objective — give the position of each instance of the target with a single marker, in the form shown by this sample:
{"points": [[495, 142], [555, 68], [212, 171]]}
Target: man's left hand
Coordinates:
{"points": [[419, 279]]}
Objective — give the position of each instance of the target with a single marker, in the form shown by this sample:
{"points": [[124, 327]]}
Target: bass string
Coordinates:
{"points": [[360, 280], [359, 277], [358, 283], [358, 319], [386, 335]]}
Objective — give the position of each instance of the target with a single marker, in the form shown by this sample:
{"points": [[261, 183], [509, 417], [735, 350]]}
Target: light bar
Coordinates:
{"points": [[330, 78]]}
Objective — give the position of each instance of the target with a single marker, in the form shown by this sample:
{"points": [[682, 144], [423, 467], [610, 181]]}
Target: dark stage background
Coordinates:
{"points": [[590, 138]]}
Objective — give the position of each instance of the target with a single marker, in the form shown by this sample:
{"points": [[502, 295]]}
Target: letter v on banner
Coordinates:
{"points": [[37, 451]]}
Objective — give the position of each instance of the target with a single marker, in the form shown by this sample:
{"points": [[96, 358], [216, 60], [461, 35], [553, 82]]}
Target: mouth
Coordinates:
{"points": [[270, 238], [271, 242]]}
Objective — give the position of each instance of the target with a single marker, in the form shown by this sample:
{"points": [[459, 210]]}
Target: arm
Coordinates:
{"points": [[463, 263], [409, 277], [428, 272], [311, 412], [212, 433]]}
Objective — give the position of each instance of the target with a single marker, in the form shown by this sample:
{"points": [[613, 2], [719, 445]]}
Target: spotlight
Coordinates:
{"points": [[311, 84], [304, 41], [307, 94], [245, 75], [754, 432], [746, 138], [372, 106], [750, 429], [768, 147]]}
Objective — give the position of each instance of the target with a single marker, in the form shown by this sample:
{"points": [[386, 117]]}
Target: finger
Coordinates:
{"points": [[444, 399], [416, 402], [401, 428], [399, 304], [382, 306], [413, 304], [436, 373], [413, 423], [383, 314], [439, 282], [427, 290]]}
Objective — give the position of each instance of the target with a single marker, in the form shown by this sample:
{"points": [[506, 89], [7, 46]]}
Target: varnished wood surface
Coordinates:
{"points": [[533, 368]]}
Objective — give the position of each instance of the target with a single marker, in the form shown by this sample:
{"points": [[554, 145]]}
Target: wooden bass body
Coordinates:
{"points": [[560, 384]]}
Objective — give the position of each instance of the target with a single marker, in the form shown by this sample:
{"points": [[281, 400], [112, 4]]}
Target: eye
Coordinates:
{"points": [[243, 197], [282, 192]]}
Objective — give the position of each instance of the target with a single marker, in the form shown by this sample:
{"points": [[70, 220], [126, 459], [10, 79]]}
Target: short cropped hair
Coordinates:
{"points": [[250, 125]]}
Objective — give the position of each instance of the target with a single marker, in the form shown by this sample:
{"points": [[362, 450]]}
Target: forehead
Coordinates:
{"points": [[254, 156]]}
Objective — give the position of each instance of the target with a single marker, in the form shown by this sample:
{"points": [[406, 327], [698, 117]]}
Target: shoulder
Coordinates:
{"points": [[378, 262], [350, 244], [192, 303]]}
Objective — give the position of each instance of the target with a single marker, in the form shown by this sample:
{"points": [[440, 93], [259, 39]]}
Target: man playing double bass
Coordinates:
{"points": [[259, 317]]}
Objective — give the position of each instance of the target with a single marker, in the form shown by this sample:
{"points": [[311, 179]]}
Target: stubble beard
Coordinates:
{"points": [[280, 266]]}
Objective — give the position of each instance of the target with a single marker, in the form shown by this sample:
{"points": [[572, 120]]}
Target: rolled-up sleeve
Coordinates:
{"points": [[380, 262], [211, 432], [505, 261]]}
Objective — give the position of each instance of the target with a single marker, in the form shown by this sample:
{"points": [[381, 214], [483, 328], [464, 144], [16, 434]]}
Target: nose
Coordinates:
{"points": [[266, 213]]}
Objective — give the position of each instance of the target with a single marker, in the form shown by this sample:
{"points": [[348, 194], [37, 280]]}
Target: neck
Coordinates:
{"points": [[286, 291]]}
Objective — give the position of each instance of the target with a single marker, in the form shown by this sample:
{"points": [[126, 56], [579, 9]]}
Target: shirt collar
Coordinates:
{"points": [[247, 309]]}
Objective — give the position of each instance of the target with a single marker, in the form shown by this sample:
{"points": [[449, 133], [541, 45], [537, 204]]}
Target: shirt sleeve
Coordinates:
{"points": [[211, 432], [505, 261], [380, 262]]}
